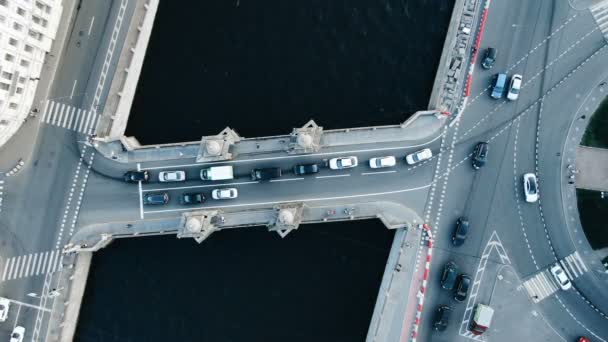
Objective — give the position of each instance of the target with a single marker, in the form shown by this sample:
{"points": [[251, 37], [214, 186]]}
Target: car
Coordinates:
{"points": [[462, 290], [380, 162], [442, 318], [4, 306], [514, 87], [498, 85], [489, 58], [480, 155], [136, 176], [343, 163], [583, 339], [461, 231], [305, 169], [560, 277], [265, 174], [449, 276], [419, 156], [227, 193], [530, 188], [159, 198], [192, 198], [172, 176], [17, 334]]}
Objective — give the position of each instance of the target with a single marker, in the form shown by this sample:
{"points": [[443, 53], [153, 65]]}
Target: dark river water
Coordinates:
{"points": [[264, 67]]}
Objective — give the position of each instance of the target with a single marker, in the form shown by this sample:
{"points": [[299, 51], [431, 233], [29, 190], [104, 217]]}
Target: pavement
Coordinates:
{"points": [[591, 172]]}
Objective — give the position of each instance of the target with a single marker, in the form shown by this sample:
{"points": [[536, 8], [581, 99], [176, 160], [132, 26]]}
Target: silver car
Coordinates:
{"points": [[560, 277], [530, 188], [171, 176], [228, 193]]}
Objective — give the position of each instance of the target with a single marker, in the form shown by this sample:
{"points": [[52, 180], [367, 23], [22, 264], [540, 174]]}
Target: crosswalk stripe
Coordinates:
{"points": [[22, 268], [566, 269], [15, 268], [34, 263], [93, 124], [575, 269], [27, 265], [50, 262], [60, 116], [580, 260], [86, 125], [49, 112], [6, 268], [46, 109], [72, 116], [55, 114], [78, 122], [46, 254], [575, 262], [67, 116], [572, 268], [85, 116]]}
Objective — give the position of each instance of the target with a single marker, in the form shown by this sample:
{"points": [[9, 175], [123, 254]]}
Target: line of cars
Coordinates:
{"points": [[499, 80], [226, 172]]}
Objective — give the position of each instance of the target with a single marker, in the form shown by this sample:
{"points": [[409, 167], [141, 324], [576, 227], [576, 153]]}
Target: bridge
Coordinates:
{"points": [[73, 174]]}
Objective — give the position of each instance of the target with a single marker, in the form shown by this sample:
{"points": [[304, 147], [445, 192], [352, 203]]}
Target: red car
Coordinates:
{"points": [[583, 339]]}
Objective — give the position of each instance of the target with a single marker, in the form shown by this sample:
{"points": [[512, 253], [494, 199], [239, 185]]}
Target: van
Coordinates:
{"points": [[265, 173], [498, 88], [215, 173]]}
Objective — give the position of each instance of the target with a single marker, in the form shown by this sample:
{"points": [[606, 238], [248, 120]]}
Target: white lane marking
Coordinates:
{"points": [[91, 26], [58, 114], [286, 179], [81, 115], [296, 156], [200, 186], [566, 269], [73, 88], [377, 173], [47, 109], [72, 116], [334, 176], [43, 264], [27, 268], [34, 262], [22, 268], [141, 199], [51, 261], [138, 167], [299, 200], [5, 269], [30, 305], [580, 260]]}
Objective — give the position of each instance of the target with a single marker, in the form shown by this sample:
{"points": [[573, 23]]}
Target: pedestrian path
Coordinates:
{"points": [[33, 264], [600, 14], [66, 116], [542, 285]]}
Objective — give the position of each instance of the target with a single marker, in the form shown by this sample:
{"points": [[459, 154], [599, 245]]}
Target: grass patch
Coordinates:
{"points": [[597, 131], [592, 209]]}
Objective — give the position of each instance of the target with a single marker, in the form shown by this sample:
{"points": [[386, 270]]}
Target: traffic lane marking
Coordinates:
{"points": [[377, 173], [295, 156], [286, 179], [298, 200], [334, 176], [91, 25], [219, 185]]}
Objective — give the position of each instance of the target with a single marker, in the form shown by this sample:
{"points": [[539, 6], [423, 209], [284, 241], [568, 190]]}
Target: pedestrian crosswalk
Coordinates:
{"points": [[66, 116], [542, 285], [600, 14], [32, 264]]}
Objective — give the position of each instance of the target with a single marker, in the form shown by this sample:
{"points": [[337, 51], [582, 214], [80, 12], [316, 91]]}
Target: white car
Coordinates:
{"points": [[171, 176], [514, 87], [419, 156], [343, 163], [4, 305], [530, 188], [560, 277], [380, 162], [17, 334], [227, 193]]}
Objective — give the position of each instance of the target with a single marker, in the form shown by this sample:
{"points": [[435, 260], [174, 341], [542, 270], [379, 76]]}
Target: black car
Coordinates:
{"points": [[265, 173], [489, 58], [462, 290], [305, 169], [156, 198], [442, 317], [192, 198], [480, 154], [461, 231], [449, 275], [136, 176]]}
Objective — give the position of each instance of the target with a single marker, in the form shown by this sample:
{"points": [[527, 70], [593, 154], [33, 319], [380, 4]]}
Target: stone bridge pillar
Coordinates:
{"points": [[218, 147], [306, 139], [198, 224], [287, 218]]}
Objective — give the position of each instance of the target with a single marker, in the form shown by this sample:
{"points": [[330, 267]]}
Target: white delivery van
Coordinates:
{"points": [[215, 173]]}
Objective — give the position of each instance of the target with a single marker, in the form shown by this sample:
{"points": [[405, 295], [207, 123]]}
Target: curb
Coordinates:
{"points": [[427, 269]]}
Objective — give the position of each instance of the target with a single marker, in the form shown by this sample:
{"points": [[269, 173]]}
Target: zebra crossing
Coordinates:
{"points": [[600, 14], [542, 285], [32, 265], [66, 116]]}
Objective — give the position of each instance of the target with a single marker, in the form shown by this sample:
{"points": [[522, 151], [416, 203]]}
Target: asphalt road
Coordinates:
{"points": [[559, 51]]}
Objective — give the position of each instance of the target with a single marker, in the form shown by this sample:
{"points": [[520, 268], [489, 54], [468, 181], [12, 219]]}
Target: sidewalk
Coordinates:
{"points": [[592, 166]]}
